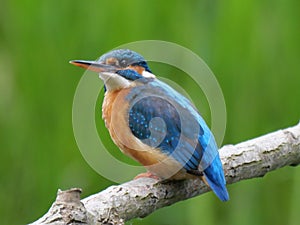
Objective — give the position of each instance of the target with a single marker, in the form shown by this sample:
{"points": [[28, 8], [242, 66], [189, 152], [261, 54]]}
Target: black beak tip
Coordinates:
{"points": [[81, 62]]}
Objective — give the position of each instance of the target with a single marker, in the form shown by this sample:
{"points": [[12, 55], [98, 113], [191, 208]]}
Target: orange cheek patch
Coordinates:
{"points": [[111, 61], [138, 69]]}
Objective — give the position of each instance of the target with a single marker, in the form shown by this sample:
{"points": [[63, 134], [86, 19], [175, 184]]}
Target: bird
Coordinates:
{"points": [[154, 124]]}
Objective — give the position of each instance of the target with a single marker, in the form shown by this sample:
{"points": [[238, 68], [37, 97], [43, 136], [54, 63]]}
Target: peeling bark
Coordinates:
{"points": [[141, 197]]}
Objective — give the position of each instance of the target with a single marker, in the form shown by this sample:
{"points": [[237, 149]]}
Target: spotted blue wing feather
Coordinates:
{"points": [[141, 117]]}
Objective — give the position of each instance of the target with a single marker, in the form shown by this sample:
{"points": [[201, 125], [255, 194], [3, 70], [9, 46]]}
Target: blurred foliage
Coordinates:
{"points": [[253, 48]]}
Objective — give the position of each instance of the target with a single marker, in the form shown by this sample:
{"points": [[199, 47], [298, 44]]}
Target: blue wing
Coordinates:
{"points": [[156, 122], [162, 118]]}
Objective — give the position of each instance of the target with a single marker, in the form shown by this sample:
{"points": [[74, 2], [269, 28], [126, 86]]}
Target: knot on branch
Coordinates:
{"points": [[67, 209], [69, 196]]}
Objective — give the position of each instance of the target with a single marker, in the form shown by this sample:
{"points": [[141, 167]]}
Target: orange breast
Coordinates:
{"points": [[115, 114]]}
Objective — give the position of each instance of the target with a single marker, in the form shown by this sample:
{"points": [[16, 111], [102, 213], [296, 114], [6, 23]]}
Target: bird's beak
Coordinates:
{"points": [[94, 66]]}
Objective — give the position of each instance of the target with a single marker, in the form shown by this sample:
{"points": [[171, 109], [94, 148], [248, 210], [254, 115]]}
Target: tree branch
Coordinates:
{"points": [[141, 197]]}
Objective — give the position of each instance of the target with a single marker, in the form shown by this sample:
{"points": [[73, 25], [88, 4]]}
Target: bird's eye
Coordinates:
{"points": [[123, 63]]}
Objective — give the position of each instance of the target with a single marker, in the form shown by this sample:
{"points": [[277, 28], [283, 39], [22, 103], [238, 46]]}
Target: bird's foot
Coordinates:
{"points": [[147, 175], [204, 180]]}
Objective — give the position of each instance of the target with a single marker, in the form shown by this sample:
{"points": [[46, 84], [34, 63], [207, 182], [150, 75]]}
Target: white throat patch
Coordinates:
{"points": [[147, 74], [114, 81]]}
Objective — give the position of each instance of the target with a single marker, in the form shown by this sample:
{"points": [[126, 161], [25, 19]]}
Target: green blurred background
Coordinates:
{"points": [[253, 47]]}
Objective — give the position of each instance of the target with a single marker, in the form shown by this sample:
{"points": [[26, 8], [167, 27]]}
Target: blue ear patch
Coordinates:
{"points": [[130, 74]]}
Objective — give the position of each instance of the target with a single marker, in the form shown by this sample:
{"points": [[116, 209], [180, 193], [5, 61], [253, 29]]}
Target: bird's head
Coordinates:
{"points": [[118, 69]]}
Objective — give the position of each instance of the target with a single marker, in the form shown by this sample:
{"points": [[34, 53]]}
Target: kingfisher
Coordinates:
{"points": [[154, 124]]}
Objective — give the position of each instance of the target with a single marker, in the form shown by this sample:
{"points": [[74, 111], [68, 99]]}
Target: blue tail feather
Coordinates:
{"points": [[215, 178]]}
